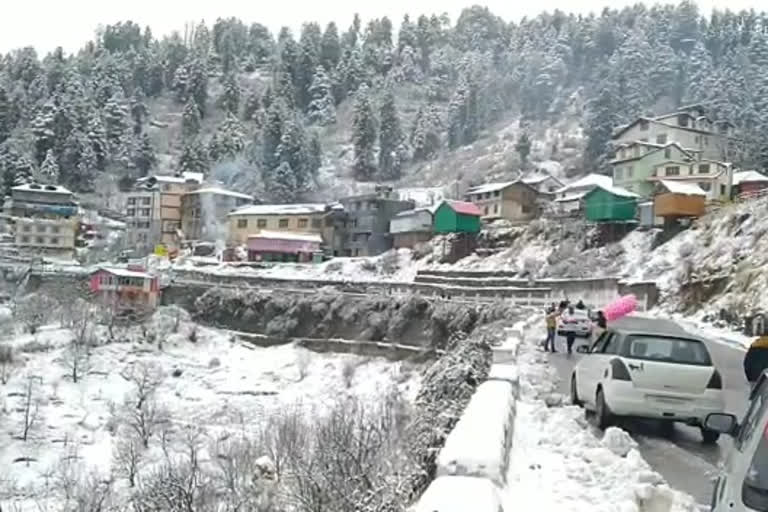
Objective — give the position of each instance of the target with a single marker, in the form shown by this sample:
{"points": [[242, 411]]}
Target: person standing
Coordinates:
{"points": [[570, 335], [756, 360], [551, 318]]}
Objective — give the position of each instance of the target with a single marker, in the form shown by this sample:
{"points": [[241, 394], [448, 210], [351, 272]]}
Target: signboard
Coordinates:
{"points": [[161, 250]]}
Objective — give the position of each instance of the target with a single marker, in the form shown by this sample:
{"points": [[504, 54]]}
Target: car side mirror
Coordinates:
{"points": [[582, 349], [722, 423]]}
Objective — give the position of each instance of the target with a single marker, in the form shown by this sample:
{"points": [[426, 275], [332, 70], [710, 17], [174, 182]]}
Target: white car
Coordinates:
{"points": [[743, 484], [644, 368], [577, 323]]}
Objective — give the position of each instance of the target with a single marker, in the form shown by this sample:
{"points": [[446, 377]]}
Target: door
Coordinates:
{"points": [[590, 368], [668, 365]]}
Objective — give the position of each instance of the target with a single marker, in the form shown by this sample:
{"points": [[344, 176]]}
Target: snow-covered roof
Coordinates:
{"points": [[408, 213], [617, 191], [678, 187], [124, 272], [221, 191], [39, 187], [489, 187], [748, 176], [572, 197], [588, 181], [185, 177], [280, 209], [288, 235]]}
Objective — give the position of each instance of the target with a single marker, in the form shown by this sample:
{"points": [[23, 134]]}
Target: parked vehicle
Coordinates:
{"points": [[579, 323], [646, 369], [743, 483]]}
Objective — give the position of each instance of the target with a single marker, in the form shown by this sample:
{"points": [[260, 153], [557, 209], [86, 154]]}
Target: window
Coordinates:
{"points": [[682, 120], [706, 141], [667, 350], [495, 208], [55, 229], [602, 341], [661, 138], [54, 240], [373, 205], [644, 139], [303, 223], [643, 125], [637, 151], [667, 152], [40, 240], [526, 208], [166, 187], [131, 212], [357, 205], [497, 193], [27, 228], [143, 224], [705, 186], [242, 223], [131, 200], [145, 200], [723, 190], [630, 171], [40, 229], [696, 139], [611, 346], [703, 168], [757, 405], [317, 223], [144, 212], [25, 239], [755, 486], [485, 210], [282, 223], [672, 170], [617, 174], [261, 223]]}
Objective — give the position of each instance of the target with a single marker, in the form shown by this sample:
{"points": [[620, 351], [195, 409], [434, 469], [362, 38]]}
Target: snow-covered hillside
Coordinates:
{"points": [[198, 382]]}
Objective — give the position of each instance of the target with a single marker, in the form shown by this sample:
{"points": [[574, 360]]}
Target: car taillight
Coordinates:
{"points": [[715, 382], [619, 371]]}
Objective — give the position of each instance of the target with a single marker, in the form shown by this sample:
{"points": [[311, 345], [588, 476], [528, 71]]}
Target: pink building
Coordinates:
{"points": [[129, 288], [283, 246]]}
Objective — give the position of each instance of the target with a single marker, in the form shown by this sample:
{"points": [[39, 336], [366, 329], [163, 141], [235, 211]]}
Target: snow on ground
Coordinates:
{"points": [[390, 266], [559, 462], [215, 383]]}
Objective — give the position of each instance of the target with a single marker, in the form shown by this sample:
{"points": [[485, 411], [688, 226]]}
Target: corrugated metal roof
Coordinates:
{"points": [[220, 191], [280, 209], [124, 272], [465, 208], [748, 176], [489, 187], [590, 180], [617, 191], [688, 189]]}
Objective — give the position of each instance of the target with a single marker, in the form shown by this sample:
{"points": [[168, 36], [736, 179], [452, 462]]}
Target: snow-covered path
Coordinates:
{"points": [[558, 463]]}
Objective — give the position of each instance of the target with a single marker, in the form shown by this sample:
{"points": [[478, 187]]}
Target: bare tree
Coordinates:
{"points": [[77, 358], [80, 319], [31, 406], [146, 377], [303, 360], [146, 420], [8, 363], [127, 457], [32, 310]]}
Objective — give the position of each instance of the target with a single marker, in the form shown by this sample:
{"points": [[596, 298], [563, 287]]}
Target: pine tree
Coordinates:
{"points": [[230, 99], [281, 185], [190, 121], [425, 134], [273, 133], [315, 154], [197, 85], [5, 115], [139, 111], [180, 84], [194, 158], [228, 140], [523, 148], [363, 136], [322, 108], [49, 170], [601, 120], [144, 157], [294, 150], [252, 106], [330, 51], [97, 138], [390, 138], [42, 128], [116, 121]]}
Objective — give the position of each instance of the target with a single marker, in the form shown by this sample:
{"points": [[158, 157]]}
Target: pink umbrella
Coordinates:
{"points": [[620, 307]]}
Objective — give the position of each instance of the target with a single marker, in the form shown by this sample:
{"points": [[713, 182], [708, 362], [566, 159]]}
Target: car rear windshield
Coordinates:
{"points": [[754, 492], [667, 350]]}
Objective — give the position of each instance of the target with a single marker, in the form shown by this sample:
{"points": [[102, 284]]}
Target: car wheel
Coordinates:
{"points": [[602, 412], [709, 436], [574, 392], [668, 428]]}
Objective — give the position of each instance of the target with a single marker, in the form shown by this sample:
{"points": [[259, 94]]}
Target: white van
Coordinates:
{"points": [[743, 484]]}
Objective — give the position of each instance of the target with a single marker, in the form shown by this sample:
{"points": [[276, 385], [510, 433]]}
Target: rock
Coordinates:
{"points": [[618, 441], [177, 372], [214, 363], [554, 400]]}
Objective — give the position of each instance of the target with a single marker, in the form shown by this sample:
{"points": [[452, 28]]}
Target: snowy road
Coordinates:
{"points": [[682, 459]]}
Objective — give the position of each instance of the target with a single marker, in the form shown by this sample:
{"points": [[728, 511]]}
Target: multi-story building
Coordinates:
{"points": [[153, 210], [204, 212], [45, 218], [711, 176], [295, 218], [368, 218], [512, 200], [677, 139]]}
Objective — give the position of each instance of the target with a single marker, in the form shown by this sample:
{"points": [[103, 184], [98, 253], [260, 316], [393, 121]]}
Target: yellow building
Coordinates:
{"points": [[46, 219], [513, 200], [295, 218]]}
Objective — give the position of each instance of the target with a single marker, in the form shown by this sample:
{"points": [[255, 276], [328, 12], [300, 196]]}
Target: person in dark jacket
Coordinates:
{"points": [[756, 359], [580, 305], [602, 322]]}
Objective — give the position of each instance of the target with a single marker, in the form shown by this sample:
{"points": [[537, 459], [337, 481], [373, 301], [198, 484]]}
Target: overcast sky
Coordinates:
{"points": [[46, 24]]}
